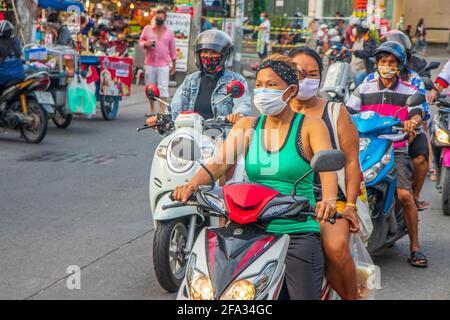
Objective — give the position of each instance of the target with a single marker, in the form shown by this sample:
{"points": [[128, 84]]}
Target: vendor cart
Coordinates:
{"points": [[59, 62], [109, 104]]}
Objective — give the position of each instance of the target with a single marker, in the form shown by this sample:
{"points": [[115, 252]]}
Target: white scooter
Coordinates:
{"points": [[241, 261], [176, 228]]}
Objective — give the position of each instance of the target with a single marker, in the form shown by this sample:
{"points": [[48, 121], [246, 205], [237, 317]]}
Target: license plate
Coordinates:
{"points": [[44, 97]]}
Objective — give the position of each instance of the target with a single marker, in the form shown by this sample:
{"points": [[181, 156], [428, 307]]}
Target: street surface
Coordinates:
{"points": [[80, 198]]}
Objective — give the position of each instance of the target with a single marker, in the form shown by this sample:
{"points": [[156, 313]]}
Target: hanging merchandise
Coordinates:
{"points": [[81, 97]]}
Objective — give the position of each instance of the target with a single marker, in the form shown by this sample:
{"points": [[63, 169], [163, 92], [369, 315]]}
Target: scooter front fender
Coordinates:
{"points": [[446, 157], [174, 213]]}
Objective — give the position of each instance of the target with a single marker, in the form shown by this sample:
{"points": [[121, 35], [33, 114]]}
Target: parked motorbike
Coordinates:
{"points": [[377, 135], [175, 229], [25, 105], [440, 141], [241, 261], [338, 83]]}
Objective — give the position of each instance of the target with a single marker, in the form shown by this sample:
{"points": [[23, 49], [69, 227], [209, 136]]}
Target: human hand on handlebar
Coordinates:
{"points": [[234, 117], [325, 209], [410, 125], [151, 121], [184, 192], [351, 215]]}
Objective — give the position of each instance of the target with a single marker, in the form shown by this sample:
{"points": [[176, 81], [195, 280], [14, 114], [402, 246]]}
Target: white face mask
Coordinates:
{"points": [[307, 88], [269, 101]]}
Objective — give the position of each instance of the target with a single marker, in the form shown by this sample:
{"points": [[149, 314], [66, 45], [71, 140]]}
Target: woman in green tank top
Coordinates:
{"points": [[278, 147]]}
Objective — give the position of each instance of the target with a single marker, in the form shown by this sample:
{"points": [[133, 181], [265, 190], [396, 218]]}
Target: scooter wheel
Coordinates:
{"points": [[169, 260]]}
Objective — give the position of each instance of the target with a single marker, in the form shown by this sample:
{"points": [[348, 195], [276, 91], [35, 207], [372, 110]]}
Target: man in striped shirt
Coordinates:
{"points": [[387, 96]]}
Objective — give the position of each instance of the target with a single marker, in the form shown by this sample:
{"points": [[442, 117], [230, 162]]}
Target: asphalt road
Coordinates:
{"points": [[81, 198]]}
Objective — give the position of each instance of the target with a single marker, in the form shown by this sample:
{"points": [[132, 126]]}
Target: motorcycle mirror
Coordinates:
{"points": [[151, 91], [235, 89], [328, 160], [429, 85], [415, 100]]}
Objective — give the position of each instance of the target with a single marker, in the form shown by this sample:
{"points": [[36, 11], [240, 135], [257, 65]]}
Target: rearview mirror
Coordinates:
{"points": [[236, 89], [328, 160], [429, 85], [415, 100]]}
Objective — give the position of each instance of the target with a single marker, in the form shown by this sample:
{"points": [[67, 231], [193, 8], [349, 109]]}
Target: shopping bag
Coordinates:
{"points": [[81, 97], [368, 275]]}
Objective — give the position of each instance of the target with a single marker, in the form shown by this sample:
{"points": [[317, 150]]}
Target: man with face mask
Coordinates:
{"points": [[387, 96], [361, 49], [201, 89], [160, 58]]}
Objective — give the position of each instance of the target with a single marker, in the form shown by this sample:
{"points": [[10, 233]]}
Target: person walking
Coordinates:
{"points": [[421, 36], [160, 58]]}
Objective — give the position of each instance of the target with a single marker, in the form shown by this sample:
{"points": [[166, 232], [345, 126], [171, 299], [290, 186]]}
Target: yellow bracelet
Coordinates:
{"points": [[350, 204]]}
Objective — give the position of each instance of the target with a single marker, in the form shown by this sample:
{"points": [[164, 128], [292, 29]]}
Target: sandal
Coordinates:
{"points": [[418, 259], [422, 205]]}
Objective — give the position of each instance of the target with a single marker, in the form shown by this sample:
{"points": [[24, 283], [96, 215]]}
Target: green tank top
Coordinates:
{"points": [[279, 170]]}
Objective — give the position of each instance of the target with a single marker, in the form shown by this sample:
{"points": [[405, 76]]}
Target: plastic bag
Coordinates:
{"points": [[81, 97], [368, 275]]}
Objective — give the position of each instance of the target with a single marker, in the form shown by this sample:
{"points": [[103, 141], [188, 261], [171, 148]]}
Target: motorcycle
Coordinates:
{"points": [[338, 83], [175, 229], [241, 261], [377, 135], [25, 105], [440, 141]]}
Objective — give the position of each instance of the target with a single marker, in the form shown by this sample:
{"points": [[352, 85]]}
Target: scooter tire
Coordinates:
{"points": [[167, 279], [445, 176], [63, 122]]}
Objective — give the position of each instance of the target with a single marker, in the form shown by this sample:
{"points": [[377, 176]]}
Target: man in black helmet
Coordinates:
{"points": [[201, 89], [11, 66]]}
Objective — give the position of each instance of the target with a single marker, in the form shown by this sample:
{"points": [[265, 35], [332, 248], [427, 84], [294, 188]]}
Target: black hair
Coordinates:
{"points": [[309, 52]]}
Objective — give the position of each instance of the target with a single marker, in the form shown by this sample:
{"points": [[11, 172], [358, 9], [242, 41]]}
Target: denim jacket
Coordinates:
{"points": [[186, 95]]}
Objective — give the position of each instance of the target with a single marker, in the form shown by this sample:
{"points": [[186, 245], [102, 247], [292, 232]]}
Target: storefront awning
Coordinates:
{"points": [[60, 4]]}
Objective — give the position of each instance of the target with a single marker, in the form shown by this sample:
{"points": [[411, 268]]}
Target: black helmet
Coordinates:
{"points": [[215, 40], [6, 30], [400, 37], [395, 49]]}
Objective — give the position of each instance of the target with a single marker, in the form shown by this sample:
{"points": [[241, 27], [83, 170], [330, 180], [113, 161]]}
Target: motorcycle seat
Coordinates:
{"points": [[11, 83]]}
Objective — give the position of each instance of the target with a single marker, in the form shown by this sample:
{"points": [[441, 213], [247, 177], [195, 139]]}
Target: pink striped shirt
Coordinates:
{"points": [[164, 51]]}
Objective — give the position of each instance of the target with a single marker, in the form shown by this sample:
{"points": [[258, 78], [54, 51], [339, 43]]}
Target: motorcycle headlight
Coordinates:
{"points": [[201, 288], [371, 173], [214, 202], [364, 144], [162, 152], [251, 288], [442, 136], [180, 148]]}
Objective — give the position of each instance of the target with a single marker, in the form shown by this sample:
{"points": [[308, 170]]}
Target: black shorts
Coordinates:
{"points": [[419, 147], [404, 171], [305, 267]]}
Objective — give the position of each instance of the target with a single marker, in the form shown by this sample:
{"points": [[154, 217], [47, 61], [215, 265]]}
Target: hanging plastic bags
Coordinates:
{"points": [[81, 97], [368, 275]]}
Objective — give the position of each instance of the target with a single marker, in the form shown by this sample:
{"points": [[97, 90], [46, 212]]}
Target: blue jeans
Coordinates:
{"points": [[421, 42]]}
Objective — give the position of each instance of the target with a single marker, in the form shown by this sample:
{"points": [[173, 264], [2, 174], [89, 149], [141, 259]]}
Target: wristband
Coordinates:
{"points": [[350, 204]]}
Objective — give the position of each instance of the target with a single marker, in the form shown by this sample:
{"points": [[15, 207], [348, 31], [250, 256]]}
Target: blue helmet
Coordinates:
{"points": [[395, 49]]}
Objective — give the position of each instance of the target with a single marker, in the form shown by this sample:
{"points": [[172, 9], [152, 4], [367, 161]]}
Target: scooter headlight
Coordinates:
{"points": [[240, 290], [442, 136], [364, 144], [251, 288], [180, 148], [371, 173], [200, 286]]}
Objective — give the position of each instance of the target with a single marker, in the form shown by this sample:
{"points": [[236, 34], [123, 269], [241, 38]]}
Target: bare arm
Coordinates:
{"points": [[349, 142], [318, 139]]}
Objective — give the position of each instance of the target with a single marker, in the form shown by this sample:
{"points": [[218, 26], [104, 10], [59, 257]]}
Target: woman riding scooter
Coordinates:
{"points": [[201, 89], [278, 146], [341, 270], [11, 66]]}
